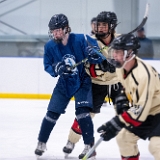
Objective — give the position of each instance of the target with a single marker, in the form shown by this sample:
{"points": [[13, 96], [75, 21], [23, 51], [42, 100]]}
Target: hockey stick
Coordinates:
{"points": [[92, 149], [143, 21], [137, 28], [85, 60], [97, 52]]}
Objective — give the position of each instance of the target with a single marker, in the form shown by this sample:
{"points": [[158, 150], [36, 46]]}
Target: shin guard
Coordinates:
{"points": [[75, 132], [86, 125], [47, 125]]}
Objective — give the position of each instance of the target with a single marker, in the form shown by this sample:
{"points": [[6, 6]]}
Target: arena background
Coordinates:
{"points": [[24, 31]]}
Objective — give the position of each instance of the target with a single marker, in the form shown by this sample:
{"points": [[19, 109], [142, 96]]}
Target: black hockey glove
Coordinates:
{"points": [[121, 102], [94, 56], [105, 66], [110, 129], [62, 68]]}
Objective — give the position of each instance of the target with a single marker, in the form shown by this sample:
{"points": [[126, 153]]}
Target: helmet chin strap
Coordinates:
{"points": [[126, 55]]}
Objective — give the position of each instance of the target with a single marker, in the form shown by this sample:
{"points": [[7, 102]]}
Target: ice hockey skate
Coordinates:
{"points": [[85, 151], [41, 147], [68, 148]]}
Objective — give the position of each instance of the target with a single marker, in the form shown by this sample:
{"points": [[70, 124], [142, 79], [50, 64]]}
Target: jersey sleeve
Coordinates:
{"points": [[48, 61]]}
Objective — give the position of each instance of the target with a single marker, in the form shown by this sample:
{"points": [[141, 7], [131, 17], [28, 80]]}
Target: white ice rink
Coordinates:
{"points": [[20, 121]]}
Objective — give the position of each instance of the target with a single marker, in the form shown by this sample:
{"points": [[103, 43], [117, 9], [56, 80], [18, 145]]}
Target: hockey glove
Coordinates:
{"points": [[62, 68], [122, 103], [105, 66], [94, 56], [110, 129]]}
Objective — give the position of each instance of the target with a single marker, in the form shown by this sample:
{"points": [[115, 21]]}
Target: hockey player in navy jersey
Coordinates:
{"points": [[61, 53]]}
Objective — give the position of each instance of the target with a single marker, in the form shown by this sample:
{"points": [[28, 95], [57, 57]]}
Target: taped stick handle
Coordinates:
{"points": [[93, 148]]}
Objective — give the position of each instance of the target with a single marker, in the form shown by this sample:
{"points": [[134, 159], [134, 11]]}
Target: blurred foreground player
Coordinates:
{"points": [[142, 87]]}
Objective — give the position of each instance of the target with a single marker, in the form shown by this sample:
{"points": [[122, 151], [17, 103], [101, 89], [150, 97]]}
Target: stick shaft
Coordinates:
{"points": [[93, 148], [143, 21]]}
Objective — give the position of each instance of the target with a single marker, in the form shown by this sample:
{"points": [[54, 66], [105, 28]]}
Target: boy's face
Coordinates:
{"points": [[118, 56], [102, 27], [58, 34]]}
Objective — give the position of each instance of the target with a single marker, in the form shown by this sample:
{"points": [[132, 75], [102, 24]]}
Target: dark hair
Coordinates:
{"points": [[94, 19]]}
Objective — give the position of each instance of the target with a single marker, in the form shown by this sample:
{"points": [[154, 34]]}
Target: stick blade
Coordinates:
{"points": [[143, 21]]}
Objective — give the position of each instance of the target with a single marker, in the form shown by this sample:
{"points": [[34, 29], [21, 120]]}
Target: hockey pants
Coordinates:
{"points": [[127, 143]]}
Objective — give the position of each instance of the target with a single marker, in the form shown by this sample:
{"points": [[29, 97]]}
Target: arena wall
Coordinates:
{"points": [[26, 78]]}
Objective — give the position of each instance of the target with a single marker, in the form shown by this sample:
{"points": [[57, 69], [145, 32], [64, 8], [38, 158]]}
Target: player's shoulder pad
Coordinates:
{"points": [[91, 40], [50, 43], [77, 36]]}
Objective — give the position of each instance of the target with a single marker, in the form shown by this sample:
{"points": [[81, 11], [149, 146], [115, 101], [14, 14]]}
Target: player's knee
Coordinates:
{"points": [[154, 147], [125, 137], [82, 110], [119, 139], [52, 116], [83, 113]]}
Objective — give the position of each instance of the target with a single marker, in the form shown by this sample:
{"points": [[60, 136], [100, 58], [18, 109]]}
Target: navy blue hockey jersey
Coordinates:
{"points": [[72, 53]]}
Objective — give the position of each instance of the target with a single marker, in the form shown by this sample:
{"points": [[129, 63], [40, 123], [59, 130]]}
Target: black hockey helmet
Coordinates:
{"points": [[126, 42], [108, 17], [58, 21], [129, 43]]}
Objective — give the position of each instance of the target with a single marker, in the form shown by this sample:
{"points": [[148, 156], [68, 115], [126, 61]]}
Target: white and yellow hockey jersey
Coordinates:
{"points": [[142, 87], [100, 77]]}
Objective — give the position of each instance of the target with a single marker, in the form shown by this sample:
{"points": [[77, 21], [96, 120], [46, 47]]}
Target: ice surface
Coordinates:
{"points": [[20, 122]]}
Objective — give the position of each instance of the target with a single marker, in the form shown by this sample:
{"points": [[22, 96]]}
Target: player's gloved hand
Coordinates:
{"points": [[110, 129], [121, 102], [105, 66], [62, 68], [94, 56]]}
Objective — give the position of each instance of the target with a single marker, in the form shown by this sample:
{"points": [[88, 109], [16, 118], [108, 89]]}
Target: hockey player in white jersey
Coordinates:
{"points": [[141, 117], [103, 75]]}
